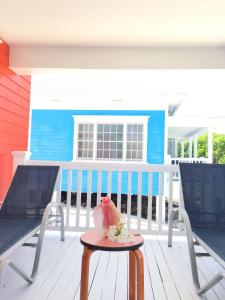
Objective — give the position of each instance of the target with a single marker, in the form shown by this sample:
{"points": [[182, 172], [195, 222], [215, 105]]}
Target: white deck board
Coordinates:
{"points": [[167, 272]]}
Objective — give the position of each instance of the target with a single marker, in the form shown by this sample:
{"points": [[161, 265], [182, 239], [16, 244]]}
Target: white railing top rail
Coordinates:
{"points": [[108, 166], [189, 159]]}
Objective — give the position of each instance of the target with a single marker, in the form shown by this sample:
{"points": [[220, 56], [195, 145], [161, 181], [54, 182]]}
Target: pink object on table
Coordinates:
{"points": [[105, 214]]}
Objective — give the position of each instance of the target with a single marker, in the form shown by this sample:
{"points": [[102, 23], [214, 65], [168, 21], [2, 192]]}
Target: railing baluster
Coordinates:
{"points": [[160, 206], [129, 201], [101, 169], [68, 198], [89, 182], [170, 203], [99, 186], [149, 201], [59, 186], [119, 191], [79, 183], [109, 184], [139, 201]]}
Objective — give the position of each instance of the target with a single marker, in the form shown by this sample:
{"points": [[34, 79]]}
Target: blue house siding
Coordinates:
{"points": [[52, 134]]}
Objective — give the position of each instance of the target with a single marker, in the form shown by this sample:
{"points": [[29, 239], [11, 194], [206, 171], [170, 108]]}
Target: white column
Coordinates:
{"points": [[20, 158], [182, 148], [175, 148], [210, 145], [195, 146], [190, 147]]}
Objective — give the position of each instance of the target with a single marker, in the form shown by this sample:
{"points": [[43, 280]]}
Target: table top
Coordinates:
{"points": [[94, 241]]}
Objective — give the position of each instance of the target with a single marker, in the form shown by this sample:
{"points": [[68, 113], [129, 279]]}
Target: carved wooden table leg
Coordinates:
{"points": [[140, 274], [132, 276], [85, 273]]}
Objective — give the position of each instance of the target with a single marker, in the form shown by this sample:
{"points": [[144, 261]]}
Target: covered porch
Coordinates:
{"points": [[167, 272]]}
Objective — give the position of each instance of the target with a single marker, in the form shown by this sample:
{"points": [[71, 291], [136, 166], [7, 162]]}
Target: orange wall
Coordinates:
{"points": [[14, 117]]}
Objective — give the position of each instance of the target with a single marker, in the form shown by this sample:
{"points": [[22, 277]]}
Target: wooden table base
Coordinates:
{"points": [[136, 274]]}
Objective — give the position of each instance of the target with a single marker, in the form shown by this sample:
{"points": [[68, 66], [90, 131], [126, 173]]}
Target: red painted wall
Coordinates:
{"points": [[14, 116]]}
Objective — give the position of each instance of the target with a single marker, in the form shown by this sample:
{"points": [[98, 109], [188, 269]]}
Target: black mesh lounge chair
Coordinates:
{"points": [[203, 212], [25, 212]]}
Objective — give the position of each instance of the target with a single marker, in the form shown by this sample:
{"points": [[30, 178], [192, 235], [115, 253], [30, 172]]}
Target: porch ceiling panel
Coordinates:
{"points": [[114, 34], [185, 132], [137, 23]]}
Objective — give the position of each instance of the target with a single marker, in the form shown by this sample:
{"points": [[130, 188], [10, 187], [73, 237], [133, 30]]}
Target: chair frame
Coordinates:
{"points": [[193, 240], [38, 232]]}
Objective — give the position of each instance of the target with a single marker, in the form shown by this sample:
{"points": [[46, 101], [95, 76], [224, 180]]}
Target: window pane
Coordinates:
{"points": [[113, 128], [80, 136], [119, 136], [85, 140], [112, 154], [99, 145], [99, 153], [100, 128], [129, 146], [120, 146], [134, 141], [128, 154], [129, 136], [100, 137], [129, 128], [113, 137], [139, 154], [108, 136], [140, 128], [106, 153], [139, 146], [80, 153], [106, 145], [119, 154], [135, 128], [106, 128], [113, 145]]}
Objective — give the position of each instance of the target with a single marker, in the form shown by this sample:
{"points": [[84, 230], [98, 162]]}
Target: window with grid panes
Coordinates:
{"points": [[85, 141], [110, 141], [134, 142]]}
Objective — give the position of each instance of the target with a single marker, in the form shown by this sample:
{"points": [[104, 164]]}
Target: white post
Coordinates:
{"points": [[175, 148], [210, 145], [190, 147], [195, 146], [20, 158], [182, 148]]}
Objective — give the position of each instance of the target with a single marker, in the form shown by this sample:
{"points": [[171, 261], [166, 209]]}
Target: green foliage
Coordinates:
{"points": [[218, 147], [203, 146]]}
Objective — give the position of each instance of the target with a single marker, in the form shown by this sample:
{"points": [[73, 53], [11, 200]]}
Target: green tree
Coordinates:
{"points": [[218, 147], [203, 146]]}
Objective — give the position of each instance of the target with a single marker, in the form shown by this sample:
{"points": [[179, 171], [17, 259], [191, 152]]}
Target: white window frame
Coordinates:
{"points": [[124, 120]]}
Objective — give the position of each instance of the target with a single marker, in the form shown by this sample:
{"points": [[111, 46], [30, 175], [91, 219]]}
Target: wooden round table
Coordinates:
{"points": [[92, 242]]}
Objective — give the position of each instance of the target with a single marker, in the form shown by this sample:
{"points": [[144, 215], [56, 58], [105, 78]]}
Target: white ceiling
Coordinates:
{"points": [[113, 23]]}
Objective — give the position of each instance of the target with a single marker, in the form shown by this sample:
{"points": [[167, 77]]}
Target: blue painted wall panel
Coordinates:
{"points": [[52, 133]]}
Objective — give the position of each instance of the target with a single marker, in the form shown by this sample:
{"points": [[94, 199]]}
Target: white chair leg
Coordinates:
{"points": [[3, 265]]}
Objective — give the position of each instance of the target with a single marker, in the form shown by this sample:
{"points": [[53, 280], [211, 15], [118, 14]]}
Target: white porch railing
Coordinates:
{"points": [[79, 217], [177, 160]]}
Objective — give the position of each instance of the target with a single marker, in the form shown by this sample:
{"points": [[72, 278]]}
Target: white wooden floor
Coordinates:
{"points": [[167, 272]]}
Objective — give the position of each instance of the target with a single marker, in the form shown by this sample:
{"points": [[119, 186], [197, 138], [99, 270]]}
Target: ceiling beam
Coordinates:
{"points": [[33, 57]]}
